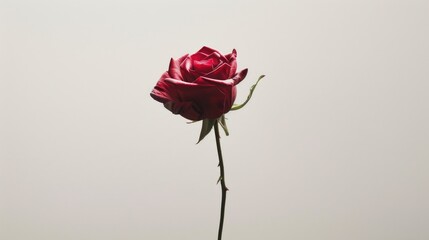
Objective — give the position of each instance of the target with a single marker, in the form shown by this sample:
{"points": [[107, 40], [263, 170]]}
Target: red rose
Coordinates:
{"points": [[201, 85]]}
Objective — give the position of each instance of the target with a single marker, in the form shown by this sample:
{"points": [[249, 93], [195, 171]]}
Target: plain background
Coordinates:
{"points": [[334, 144]]}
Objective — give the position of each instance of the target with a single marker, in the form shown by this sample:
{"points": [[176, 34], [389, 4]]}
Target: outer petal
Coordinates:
{"points": [[174, 69], [177, 96], [231, 55], [239, 76], [221, 100], [185, 69], [211, 97], [165, 93], [161, 91], [233, 62], [182, 58], [188, 110], [214, 82]]}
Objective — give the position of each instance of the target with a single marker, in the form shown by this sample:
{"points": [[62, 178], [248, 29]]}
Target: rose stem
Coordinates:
{"points": [[222, 180]]}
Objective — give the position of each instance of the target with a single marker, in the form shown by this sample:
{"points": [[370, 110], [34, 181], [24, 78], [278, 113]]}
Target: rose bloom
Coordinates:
{"points": [[201, 85]]}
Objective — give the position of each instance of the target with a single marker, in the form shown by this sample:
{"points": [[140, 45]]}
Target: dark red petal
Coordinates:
{"points": [[232, 69], [233, 62], [214, 82], [174, 69], [233, 94], [231, 55], [185, 69], [203, 66], [198, 56], [207, 50], [239, 76], [219, 57], [182, 58], [161, 91], [178, 97], [211, 96], [221, 72], [221, 98], [188, 110]]}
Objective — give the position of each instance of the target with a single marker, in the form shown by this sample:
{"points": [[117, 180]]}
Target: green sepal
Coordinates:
{"points": [[222, 123], [252, 88], [206, 128]]}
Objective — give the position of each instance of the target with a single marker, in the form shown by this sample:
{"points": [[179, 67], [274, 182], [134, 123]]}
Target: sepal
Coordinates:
{"points": [[252, 88], [222, 122], [206, 128]]}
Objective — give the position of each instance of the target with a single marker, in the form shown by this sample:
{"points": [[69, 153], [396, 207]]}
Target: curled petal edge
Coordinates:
{"points": [[238, 77], [212, 81]]}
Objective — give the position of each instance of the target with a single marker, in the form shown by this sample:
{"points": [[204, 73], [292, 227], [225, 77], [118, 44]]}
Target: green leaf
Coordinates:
{"points": [[206, 128], [222, 123], [252, 88]]}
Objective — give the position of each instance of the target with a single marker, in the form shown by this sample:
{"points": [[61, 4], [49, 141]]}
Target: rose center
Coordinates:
{"points": [[204, 66]]}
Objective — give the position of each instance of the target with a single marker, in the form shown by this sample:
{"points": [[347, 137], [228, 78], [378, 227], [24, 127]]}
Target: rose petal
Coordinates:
{"points": [[219, 57], [213, 82], [203, 66], [198, 56], [232, 69], [221, 72], [232, 61], [162, 92], [207, 50], [187, 110], [216, 104], [231, 55], [185, 68], [182, 58], [239, 76], [220, 92], [174, 69]]}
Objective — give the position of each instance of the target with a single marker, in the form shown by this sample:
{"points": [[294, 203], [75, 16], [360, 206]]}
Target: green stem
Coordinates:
{"points": [[221, 179]]}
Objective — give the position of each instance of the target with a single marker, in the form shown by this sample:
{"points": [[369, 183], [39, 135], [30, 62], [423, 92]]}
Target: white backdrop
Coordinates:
{"points": [[334, 144]]}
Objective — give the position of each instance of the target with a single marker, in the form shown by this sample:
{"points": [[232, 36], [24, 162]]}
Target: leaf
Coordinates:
{"points": [[222, 123], [206, 128], [252, 88]]}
